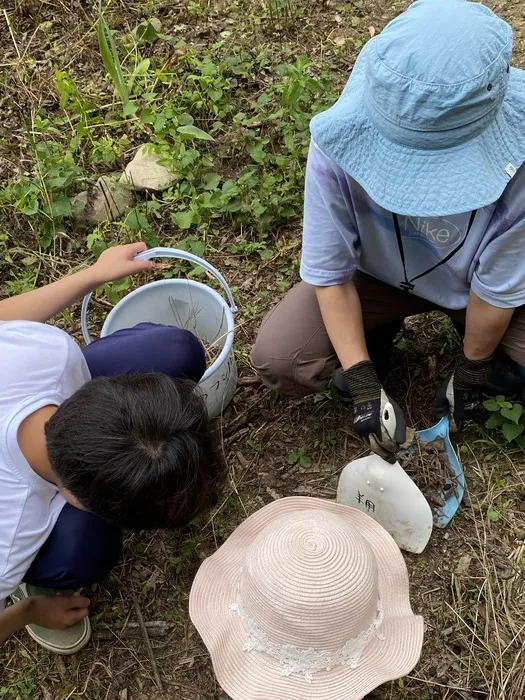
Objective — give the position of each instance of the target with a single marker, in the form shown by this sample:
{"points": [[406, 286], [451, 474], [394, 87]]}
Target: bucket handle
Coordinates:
{"points": [[164, 253]]}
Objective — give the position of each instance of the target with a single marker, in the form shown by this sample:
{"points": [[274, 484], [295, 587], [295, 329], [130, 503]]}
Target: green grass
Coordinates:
{"points": [[229, 118]]}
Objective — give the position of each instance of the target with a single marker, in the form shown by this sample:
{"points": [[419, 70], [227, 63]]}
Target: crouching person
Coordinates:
{"points": [[91, 441]]}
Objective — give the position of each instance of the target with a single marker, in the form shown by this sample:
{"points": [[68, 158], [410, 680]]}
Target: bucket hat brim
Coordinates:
{"points": [[257, 676], [423, 182]]}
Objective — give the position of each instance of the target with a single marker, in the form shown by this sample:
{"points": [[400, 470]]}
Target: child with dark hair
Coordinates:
{"points": [[91, 440]]}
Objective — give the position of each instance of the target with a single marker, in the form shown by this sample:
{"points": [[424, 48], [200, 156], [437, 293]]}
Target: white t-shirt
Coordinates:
{"points": [[40, 365]]}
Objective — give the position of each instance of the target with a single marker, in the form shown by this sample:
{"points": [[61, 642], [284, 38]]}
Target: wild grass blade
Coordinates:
{"points": [[110, 58]]}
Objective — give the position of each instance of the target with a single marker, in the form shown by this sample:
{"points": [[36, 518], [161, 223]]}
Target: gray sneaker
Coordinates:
{"points": [[63, 642]]}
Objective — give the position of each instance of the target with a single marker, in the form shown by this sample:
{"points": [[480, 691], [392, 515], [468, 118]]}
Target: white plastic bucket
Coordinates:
{"points": [[187, 304]]}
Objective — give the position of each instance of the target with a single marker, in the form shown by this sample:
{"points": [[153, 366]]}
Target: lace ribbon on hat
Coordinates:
{"points": [[306, 662]]}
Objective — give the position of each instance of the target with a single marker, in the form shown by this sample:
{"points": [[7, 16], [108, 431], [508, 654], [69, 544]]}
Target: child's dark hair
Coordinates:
{"points": [[137, 450]]}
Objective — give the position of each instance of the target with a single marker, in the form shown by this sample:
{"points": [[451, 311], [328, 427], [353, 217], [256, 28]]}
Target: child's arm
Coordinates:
{"points": [[58, 612], [43, 303]]}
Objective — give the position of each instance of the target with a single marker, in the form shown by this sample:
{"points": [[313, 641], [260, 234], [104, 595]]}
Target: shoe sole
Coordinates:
{"points": [[61, 650]]}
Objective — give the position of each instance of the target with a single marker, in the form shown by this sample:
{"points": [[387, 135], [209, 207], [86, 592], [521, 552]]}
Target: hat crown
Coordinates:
{"points": [[440, 66], [310, 580]]}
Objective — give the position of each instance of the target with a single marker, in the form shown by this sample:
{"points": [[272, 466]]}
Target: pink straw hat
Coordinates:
{"points": [[307, 600]]}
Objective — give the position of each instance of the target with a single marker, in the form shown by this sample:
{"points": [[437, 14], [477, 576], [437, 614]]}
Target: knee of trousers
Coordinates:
{"points": [[291, 376], [79, 552]]}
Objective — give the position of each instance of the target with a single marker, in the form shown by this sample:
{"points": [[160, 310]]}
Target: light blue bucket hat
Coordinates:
{"points": [[432, 119]]}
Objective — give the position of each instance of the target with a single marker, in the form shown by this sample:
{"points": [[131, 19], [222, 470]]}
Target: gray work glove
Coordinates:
{"points": [[375, 417]]}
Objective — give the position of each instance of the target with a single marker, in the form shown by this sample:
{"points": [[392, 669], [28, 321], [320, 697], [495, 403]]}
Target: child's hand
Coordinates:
{"points": [[117, 262], [57, 612]]}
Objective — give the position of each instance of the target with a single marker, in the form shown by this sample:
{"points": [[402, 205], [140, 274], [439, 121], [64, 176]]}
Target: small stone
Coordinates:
{"points": [[463, 565], [79, 204], [145, 172], [107, 200]]}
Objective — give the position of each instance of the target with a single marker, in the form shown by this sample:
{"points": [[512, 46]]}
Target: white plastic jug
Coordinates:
{"points": [[188, 304]]}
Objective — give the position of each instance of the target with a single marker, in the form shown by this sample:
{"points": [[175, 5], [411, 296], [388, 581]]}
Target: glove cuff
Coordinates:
{"points": [[362, 382], [472, 373]]}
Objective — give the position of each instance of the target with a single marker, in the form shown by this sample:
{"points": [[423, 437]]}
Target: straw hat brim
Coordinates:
{"points": [[256, 676]]}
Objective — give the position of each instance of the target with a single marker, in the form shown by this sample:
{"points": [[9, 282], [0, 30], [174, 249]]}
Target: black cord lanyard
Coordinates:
{"points": [[408, 285]]}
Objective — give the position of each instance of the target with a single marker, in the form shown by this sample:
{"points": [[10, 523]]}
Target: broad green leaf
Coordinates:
{"points": [[142, 67], [211, 181], [234, 205], [147, 117], [185, 119], [289, 141], [214, 95], [493, 515], [197, 271], [305, 461], [293, 457], [136, 221], [31, 208], [98, 248], [150, 238], [115, 290], [183, 219], [60, 207], [505, 404], [491, 405], [291, 93], [198, 248], [193, 245], [495, 420], [129, 109], [511, 431], [513, 414], [146, 32], [45, 239], [257, 152], [520, 440], [54, 183], [229, 186], [93, 238], [194, 132]]}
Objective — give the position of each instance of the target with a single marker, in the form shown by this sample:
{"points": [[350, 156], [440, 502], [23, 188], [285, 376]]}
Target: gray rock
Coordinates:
{"points": [[107, 200], [145, 172]]}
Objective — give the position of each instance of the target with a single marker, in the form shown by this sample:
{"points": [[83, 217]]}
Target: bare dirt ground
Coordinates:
{"points": [[469, 584]]}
